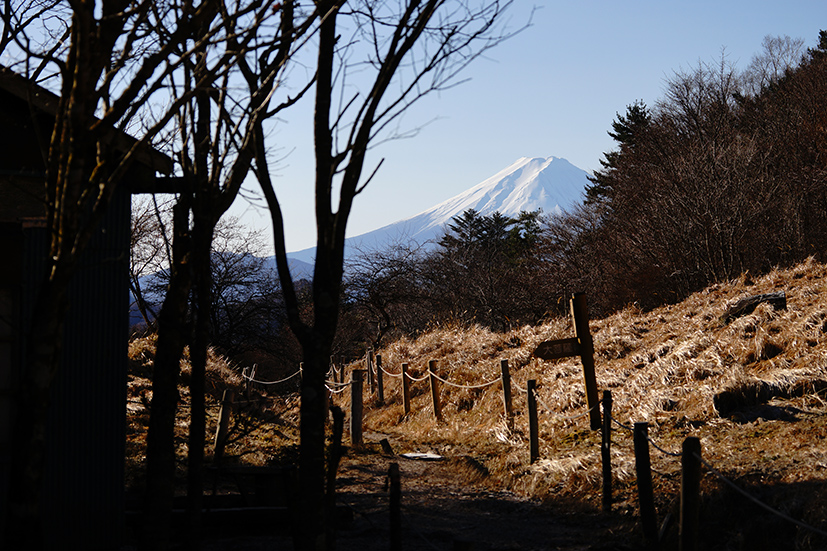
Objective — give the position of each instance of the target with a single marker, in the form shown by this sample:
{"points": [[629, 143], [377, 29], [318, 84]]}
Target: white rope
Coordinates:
{"points": [[521, 389], [248, 378], [483, 385], [414, 379], [337, 391], [389, 374], [334, 383]]}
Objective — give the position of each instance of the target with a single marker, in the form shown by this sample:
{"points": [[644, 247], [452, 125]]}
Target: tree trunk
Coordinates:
{"points": [[198, 364], [172, 337], [312, 522]]}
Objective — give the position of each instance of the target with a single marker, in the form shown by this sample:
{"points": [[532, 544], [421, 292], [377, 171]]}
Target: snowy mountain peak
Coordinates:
{"points": [[551, 184]]}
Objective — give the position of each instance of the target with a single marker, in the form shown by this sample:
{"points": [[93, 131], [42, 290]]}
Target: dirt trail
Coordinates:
{"points": [[442, 512]]}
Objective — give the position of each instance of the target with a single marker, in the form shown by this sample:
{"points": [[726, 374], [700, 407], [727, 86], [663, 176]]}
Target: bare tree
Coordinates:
{"points": [[780, 55], [107, 68], [230, 87], [375, 59], [150, 254]]}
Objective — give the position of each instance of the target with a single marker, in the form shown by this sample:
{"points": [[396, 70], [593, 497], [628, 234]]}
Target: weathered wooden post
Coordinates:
{"points": [[245, 375], [509, 408], [395, 507], [369, 367], [580, 313], [690, 493], [646, 496], [356, 407], [606, 451], [223, 424], [434, 390], [406, 390], [380, 385], [533, 424]]}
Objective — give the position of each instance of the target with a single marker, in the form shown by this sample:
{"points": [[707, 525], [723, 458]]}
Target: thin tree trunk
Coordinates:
{"points": [[198, 364], [312, 526], [172, 337]]}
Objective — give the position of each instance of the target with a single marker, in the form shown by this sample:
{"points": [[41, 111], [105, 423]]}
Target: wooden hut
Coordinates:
{"points": [[83, 486]]}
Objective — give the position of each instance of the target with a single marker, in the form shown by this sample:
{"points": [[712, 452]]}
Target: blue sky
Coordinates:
{"points": [[553, 89]]}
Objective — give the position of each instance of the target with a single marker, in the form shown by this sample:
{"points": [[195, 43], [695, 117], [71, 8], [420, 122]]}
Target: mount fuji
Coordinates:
{"points": [[552, 184]]}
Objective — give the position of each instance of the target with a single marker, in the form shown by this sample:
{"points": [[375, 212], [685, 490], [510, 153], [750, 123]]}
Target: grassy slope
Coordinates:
{"points": [[664, 367]]}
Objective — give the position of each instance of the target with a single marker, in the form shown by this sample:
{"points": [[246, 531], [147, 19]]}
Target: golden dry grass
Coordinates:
{"points": [[765, 430], [264, 427], [664, 367]]}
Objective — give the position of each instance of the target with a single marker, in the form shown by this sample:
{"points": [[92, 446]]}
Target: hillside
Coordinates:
{"points": [[764, 430], [751, 390]]}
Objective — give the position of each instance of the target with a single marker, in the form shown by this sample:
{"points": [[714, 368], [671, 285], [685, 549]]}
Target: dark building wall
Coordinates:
{"points": [[83, 487]]}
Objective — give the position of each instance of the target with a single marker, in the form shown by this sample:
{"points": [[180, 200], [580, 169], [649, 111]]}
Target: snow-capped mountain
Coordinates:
{"points": [[551, 184]]}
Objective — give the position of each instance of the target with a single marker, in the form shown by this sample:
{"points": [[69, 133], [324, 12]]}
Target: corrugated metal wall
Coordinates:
{"points": [[84, 478]]}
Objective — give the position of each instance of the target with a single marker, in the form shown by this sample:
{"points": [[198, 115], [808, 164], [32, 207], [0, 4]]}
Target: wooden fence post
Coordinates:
{"points": [[380, 385], [369, 366], [509, 408], [434, 390], [690, 493], [406, 390], [646, 496], [580, 313], [223, 424], [606, 451], [395, 507], [356, 407], [533, 424]]}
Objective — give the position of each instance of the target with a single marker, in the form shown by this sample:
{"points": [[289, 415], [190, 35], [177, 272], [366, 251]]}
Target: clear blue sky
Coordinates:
{"points": [[553, 89]]}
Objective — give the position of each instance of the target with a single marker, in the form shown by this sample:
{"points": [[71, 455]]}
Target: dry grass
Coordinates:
{"points": [[752, 390], [264, 426]]}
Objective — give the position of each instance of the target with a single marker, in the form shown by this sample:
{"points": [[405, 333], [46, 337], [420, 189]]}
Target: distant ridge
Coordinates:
{"points": [[552, 184]]}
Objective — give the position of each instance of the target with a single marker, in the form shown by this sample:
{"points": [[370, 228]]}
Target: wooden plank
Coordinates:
{"points": [[561, 348]]}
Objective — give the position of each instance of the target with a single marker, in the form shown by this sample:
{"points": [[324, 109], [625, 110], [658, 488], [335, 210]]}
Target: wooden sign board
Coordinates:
{"points": [[562, 348]]}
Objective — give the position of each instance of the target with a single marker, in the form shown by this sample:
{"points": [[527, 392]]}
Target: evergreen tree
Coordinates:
{"points": [[625, 131]]}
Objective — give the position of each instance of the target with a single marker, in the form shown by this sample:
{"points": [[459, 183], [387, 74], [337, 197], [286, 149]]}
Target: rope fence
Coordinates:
{"points": [[644, 493], [690, 455], [252, 379], [651, 531]]}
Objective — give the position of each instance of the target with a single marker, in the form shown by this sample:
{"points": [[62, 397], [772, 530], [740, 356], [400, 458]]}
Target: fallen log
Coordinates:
{"points": [[747, 305]]}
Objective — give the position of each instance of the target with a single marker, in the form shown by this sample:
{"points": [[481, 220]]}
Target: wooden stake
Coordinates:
{"points": [[395, 507], [435, 390], [356, 407], [646, 496], [380, 385], [406, 390], [690, 494], [580, 313], [369, 366], [533, 424], [509, 408], [223, 424], [606, 451]]}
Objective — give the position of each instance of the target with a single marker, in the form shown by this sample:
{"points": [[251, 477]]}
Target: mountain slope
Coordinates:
{"points": [[551, 184]]}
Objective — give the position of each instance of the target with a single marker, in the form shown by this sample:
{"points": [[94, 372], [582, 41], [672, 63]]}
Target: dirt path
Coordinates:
{"points": [[438, 513], [442, 511]]}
